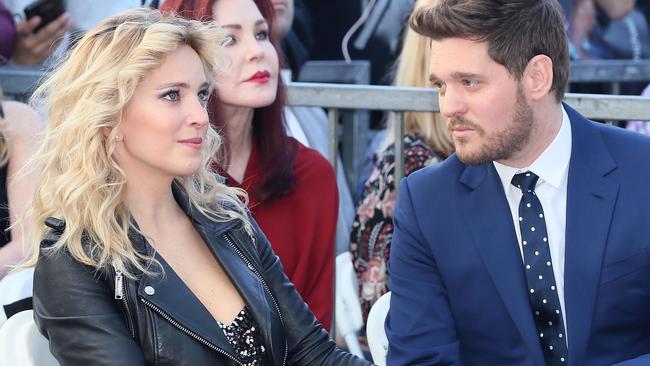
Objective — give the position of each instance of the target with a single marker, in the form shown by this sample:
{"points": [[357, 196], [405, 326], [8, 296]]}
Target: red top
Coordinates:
{"points": [[301, 225]]}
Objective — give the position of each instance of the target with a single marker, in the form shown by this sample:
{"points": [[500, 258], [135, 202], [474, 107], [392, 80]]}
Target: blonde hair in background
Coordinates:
{"points": [[81, 183], [413, 71], [4, 142]]}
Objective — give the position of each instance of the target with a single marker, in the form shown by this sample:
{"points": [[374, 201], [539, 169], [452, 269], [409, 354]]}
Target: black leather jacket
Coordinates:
{"points": [[103, 318]]}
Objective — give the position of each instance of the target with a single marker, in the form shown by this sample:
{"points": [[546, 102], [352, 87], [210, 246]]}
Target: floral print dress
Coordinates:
{"points": [[372, 228]]}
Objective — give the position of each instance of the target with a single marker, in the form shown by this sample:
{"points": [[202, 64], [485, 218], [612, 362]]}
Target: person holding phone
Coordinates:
{"points": [[32, 47]]}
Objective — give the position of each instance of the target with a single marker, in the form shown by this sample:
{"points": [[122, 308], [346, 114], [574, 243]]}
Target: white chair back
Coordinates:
{"points": [[348, 308], [375, 331], [22, 344], [3, 317], [14, 287]]}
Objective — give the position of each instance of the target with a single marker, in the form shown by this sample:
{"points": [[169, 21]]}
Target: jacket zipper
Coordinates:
{"points": [[266, 287], [189, 332], [120, 294]]}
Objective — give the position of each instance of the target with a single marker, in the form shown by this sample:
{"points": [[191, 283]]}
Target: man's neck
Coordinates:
{"points": [[546, 126]]}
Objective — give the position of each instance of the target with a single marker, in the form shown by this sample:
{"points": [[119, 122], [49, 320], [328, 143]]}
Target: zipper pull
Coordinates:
{"points": [[119, 285]]}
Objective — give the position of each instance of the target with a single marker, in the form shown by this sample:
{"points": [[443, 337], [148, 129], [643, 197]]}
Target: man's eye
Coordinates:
{"points": [[437, 84], [469, 82], [172, 95]]}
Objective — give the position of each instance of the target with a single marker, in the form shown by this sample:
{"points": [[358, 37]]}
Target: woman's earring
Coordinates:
{"points": [[118, 138]]}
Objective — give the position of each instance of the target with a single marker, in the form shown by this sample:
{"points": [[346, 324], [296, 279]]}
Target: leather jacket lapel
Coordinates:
{"points": [[228, 249], [174, 298], [170, 294]]}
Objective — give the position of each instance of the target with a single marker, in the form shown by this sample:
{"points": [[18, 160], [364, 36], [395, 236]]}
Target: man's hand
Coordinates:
{"points": [[34, 48]]}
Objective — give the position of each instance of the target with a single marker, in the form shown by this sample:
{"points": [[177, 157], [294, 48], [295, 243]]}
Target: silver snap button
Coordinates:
{"points": [[149, 290]]}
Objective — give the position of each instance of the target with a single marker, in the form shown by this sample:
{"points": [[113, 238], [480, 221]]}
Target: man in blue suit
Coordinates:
{"points": [[530, 245]]}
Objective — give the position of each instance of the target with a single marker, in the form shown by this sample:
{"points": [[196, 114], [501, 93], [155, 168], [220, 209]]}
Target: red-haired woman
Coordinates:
{"points": [[292, 189]]}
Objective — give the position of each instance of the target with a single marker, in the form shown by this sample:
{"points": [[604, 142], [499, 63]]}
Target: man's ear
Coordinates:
{"points": [[538, 77]]}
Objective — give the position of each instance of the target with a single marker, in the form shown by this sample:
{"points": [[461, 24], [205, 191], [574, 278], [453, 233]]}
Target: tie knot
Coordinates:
{"points": [[525, 181]]}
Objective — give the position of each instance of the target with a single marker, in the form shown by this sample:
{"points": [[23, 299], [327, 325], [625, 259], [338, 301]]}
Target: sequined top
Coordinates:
{"points": [[243, 334]]}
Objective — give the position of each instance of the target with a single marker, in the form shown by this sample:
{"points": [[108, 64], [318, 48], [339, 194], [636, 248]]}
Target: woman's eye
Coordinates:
{"points": [[228, 41], [262, 36], [172, 95], [204, 95]]}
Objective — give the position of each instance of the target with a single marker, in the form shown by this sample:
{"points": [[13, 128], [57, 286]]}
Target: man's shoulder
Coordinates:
{"points": [[625, 146], [627, 150], [621, 138], [441, 176], [614, 137]]}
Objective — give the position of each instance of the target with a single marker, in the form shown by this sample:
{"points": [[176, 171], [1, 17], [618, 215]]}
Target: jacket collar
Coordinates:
{"points": [[197, 218], [174, 298]]}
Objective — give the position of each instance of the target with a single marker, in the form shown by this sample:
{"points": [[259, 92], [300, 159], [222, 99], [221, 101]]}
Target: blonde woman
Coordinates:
{"points": [[147, 257], [426, 141], [19, 131]]}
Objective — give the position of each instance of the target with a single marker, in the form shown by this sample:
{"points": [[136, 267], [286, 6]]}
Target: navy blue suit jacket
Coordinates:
{"points": [[456, 274]]}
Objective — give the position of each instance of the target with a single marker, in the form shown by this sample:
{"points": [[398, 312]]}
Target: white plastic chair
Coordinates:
{"points": [[15, 286], [348, 308], [3, 317], [375, 331], [22, 344]]}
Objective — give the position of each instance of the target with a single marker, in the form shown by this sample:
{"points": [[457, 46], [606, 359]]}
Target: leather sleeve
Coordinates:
{"points": [[76, 310], [308, 343]]}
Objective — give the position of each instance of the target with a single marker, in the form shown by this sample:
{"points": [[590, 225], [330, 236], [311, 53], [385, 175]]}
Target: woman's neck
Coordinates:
{"points": [[239, 129], [152, 204]]}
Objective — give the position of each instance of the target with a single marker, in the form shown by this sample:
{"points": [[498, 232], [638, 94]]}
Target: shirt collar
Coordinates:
{"points": [[552, 165]]}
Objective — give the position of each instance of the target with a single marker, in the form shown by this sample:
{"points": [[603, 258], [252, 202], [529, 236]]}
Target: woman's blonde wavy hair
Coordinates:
{"points": [[4, 141], [412, 70], [86, 96]]}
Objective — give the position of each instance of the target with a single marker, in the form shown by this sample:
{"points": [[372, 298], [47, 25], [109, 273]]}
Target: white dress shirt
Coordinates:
{"points": [[552, 167]]}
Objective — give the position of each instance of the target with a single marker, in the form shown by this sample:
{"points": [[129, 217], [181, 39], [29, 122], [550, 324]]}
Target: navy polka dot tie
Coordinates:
{"points": [[542, 292]]}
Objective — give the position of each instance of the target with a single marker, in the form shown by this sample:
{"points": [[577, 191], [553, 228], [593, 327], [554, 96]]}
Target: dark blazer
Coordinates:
{"points": [[103, 318], [456, 275]]}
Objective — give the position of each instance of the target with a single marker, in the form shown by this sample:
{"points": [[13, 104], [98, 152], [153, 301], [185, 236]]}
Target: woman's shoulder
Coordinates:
{"points": [[22, 121], [310, 164]]}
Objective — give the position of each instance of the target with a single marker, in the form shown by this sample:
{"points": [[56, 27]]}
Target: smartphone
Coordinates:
{"points": [[48, 10]]}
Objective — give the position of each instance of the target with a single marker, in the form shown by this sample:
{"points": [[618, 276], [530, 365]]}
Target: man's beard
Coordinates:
{"points": [[497, 145]]}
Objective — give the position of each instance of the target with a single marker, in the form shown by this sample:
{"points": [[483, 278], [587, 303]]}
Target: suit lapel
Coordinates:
{"points": [[488, 218], [591, 198]]}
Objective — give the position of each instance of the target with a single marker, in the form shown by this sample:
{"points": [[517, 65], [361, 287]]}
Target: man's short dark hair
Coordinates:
{"points": [[515, 31]]}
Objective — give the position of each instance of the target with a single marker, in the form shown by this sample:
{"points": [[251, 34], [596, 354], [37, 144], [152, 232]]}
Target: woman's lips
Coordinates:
{"points": [[194, 142], [260, 77]]}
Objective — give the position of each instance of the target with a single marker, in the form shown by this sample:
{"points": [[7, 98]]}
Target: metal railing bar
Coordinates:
{"points": [[332, 153], [398, 118], [387, 98]]}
